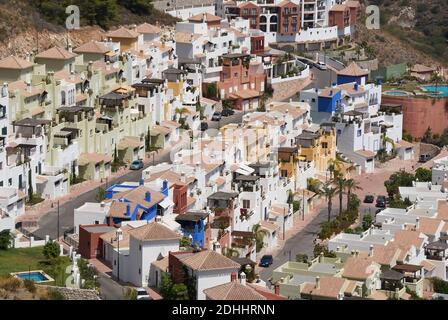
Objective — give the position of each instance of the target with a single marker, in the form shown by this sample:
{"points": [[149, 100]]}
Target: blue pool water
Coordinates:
{"points": [[34, 276], [397, 93], [439, 91]]}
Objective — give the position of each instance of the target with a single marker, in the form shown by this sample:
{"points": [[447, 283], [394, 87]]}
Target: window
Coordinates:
{"points": [[324, 145], [245, 12], [10, 182], [246, 204], [359, 133], [254, 11], [140, 247], [139, 271]]}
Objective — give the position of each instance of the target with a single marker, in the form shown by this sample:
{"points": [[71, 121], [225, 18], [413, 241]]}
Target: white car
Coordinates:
{"points": [[142, 294], [321, 65]]}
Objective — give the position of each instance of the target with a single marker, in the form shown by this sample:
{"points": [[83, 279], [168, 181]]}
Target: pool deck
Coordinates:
{"points": [[17, 275]]}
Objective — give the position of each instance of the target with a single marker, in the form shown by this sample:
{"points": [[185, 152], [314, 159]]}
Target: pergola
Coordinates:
{"points": [[411, 272], [391, 280]]}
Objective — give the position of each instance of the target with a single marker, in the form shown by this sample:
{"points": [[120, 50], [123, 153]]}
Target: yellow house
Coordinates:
{"points": [[288, 159], [318, 145], [128, 39]]}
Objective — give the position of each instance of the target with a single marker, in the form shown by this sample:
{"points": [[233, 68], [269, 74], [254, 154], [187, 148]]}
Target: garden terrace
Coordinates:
{"points": [[247, 183], [115, 99], [222, 200], [75, 114], [436, 250]]}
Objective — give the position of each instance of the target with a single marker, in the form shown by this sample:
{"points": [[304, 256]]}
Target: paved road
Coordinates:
{"points": [[302, 242], [109, 289], [48, 223]]}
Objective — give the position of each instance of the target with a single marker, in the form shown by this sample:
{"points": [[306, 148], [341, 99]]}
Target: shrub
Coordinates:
{"points": [[29, 285], [5, 240], [51, 250], [10, 284], [130, 294]]}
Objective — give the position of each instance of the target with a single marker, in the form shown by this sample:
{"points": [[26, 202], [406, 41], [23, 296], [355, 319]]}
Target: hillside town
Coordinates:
{"points": [[250, 152]]}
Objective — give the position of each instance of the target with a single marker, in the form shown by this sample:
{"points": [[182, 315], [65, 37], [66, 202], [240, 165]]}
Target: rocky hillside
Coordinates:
{"points": [[411, 31], [25, 27]]}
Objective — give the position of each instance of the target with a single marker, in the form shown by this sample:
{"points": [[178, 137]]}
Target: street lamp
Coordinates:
{"points": [[119, 234]]}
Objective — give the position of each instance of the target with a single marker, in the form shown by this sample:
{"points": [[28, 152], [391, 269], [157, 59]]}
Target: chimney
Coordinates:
{"points": [[233, 277], [28, 86], [128, 210], [217, 247], [148, 196], [102, 204], [417, 223], [321, 257], [70, 47], [317, 282], [277, 288], [371, 250], [243, 278]]}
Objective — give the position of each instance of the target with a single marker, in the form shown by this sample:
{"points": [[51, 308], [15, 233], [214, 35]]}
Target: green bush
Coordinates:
{"points": [[51, 250], [5, 239], [440, 286]]}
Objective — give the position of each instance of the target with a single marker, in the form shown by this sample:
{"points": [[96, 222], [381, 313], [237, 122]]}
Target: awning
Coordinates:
{"points": [[166, 203]]}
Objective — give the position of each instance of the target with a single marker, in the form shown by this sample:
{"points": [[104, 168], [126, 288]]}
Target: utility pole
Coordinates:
{"points": [[58, 220], [303, 205]]}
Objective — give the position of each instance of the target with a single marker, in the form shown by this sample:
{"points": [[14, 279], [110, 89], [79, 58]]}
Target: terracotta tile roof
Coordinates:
{"points": [[86, 158], [129, 142], [294, 111], [384, 255], [23, 89], [233, 291], [160, 130], [265, 292], [246, 94], [148, 28], [36, 110], [101, 65], [111, 237], [92, 47], [430, 226], [329, 287], [186, 37], [15, 63], [138, 194], [338, 7], [171, 176], [405, 144], [209, 260], [353, 70], [358, 268], [65, 75], [365, 153], [56, 53], [378, 295], [269, 226], [154, 231], [352, 3], [419, 68], [162, 264], [407, 237], [204, 17], [442, 210], [427, 265], [122, 33], [329, 92]]}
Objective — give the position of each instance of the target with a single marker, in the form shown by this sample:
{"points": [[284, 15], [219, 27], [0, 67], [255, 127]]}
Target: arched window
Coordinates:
{"points": [[263, 23], [63, 98], [273, 24]]}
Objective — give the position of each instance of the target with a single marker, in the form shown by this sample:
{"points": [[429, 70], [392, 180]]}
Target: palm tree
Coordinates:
{"points": [[350, 186], [436, 79], [328, 191], [340, 189], [335, 167], [181, 111], [259, 236]]}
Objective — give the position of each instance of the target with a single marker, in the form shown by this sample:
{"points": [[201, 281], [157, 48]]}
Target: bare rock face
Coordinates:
{"points": [[405, 18]]}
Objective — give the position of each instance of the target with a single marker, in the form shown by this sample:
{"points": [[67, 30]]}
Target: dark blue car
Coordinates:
{"points": [[266, 261]]}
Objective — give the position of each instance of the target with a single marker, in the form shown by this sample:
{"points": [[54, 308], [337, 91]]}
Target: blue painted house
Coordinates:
{"points": [[353, 73], [329, 99], [137, 202], [193, 226]]}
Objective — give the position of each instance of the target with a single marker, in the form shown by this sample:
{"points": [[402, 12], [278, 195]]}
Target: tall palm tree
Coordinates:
{"points": [[335, 166], [328, 191], [259, 233], [340, 189], [181, 111], [350, 186]]}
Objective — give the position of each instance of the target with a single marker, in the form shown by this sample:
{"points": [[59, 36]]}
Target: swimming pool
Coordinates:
{"points": [[36, 275], [437, 91], [397, 93]]}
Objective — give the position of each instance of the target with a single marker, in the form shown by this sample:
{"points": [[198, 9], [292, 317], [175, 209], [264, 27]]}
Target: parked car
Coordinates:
{"points": [[216, 116], [204, 126], [227, 112], [424, 158], [381, 202], [266, 261], [136, 165], [142, 294], [321, 65], [369, 199]]}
